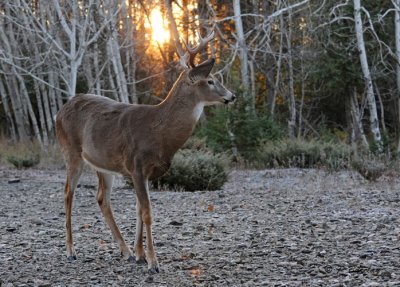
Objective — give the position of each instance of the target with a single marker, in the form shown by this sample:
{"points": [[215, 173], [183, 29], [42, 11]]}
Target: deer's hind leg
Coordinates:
{"points": [[74, 171], [103, 199], [139, 249]]}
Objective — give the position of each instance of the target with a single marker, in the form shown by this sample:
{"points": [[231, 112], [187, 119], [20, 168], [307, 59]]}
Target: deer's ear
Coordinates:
{"points": [[202, 71]]}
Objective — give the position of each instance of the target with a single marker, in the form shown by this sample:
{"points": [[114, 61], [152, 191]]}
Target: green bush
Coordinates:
{"points": [[20, 155], [238, 127], [24, 160], [304, 154], [384, 148], [195, 170], [195, 143]]}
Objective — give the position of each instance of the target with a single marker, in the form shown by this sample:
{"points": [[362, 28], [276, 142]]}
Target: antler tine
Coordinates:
{"points": [[193, 51], [183, 57], [184, 60]]}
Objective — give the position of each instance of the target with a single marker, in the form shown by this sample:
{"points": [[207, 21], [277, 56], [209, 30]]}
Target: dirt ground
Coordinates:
{"points": [[287, 227]]}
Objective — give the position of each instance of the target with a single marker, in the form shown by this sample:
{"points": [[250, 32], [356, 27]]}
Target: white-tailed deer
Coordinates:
{"points": [[137, 141]]}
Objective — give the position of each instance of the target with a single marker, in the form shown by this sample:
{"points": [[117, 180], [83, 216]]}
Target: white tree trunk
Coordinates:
{"points": [[291, 97], [396, 4], [97, 69], [358, 137], [20, 114], [21, 120], [42, 120], [7, 110], [112, 84], [243, 57], [79, 36], [278, 68], [373, 114], [113, 51], [130, 50]]}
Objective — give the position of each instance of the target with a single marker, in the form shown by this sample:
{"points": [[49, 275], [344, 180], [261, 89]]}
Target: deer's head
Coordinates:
{"points": [[199, 81]]}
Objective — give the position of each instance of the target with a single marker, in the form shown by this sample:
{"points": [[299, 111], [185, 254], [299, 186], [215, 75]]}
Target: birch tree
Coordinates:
{"points": [[71, 38], [291, 96], [358, 137], [113, 51], [12, 77], [241, 43], [373, 114], [79, 36], [396, 4]]}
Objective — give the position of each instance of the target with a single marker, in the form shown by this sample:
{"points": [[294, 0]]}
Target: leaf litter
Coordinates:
{"points": [[289, 227]]}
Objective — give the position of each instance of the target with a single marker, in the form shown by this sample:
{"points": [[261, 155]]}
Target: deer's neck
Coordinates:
{"points": [[179, 114]]}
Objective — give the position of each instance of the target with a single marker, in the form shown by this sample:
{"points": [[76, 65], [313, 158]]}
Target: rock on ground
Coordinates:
{"points": [[288, 227]]}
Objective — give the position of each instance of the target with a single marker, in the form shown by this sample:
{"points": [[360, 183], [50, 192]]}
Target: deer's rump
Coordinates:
{"points": [[93, 134]]}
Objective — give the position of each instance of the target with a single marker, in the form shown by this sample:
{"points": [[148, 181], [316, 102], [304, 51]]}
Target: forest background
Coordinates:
{"points": [[317, 80]]}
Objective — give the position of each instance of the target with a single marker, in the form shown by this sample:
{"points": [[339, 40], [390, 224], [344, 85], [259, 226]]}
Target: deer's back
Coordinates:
{"points": [[104, 132], [87, 112]]}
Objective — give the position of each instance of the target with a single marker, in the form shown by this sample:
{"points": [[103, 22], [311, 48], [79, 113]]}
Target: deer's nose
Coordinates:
{"points": [[231, 99]]}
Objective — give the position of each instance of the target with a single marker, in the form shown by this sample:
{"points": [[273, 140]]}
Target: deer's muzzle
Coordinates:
{"points": [[230, 99]]}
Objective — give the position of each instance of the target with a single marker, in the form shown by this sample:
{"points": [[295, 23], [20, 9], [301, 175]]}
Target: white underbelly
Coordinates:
{"points": [[99, 169]]}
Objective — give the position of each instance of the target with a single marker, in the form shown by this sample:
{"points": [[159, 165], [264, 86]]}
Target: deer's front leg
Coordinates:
{"points": [[144, 216]]}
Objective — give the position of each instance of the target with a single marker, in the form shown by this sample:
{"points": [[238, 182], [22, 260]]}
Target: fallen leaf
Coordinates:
{"points": [[102, 244], [211, 229], [195, 271], [86, 226]]}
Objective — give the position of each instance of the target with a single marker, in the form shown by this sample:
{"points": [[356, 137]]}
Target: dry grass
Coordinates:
{"points": [[25, 155], [297, 154]]}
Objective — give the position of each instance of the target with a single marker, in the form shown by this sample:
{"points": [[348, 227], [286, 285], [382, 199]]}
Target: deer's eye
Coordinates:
{"points": [[210, 82]]}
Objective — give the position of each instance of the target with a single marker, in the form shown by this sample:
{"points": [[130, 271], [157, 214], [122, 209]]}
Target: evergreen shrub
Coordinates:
{"points": [[238, 127], [304, 154], [193, 170], [20, 155], [24, 160]]}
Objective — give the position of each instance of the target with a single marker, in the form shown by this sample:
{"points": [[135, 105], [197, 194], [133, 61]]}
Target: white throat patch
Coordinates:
{"points": [[198, 110]]}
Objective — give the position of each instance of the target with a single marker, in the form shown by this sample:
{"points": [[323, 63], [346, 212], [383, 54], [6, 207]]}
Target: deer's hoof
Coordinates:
{"points": [[131, 259], [141, 260], [154, 268], [71, 258]]}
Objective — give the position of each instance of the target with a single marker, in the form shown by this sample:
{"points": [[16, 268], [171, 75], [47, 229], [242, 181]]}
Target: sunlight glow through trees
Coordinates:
{"points": [[159, 25]]}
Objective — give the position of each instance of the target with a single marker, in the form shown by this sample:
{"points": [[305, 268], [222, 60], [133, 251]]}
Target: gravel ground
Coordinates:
{"points": [[287, 227]]}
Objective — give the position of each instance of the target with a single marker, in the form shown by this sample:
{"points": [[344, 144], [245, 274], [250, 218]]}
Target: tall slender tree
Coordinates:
{"points": [[373, 114]]}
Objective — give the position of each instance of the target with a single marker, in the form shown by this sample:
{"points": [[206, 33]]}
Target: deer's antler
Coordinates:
{"points": [[183, 56], [193, 51]]}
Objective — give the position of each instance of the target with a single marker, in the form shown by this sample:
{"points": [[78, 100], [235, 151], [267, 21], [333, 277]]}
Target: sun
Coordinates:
{"points": [[160, 32]]}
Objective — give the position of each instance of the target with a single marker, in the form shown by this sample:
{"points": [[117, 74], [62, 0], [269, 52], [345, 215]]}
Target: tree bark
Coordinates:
{"points": [[129, 51], [278, 69], [396, 4], [202, 9], [358, 137], [243, 57], [373, 114], [291, 97], [7, 110], [7, 46]]}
